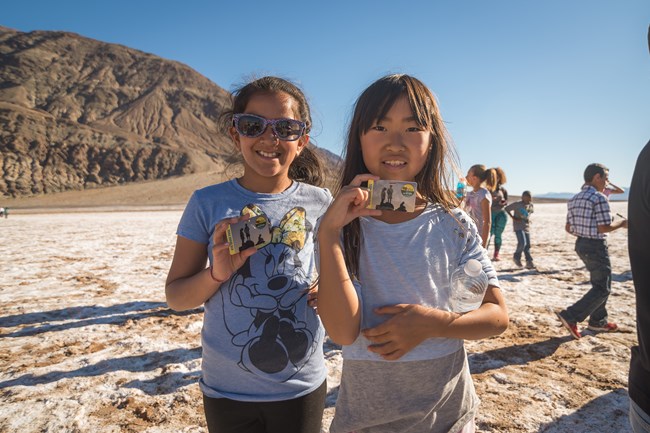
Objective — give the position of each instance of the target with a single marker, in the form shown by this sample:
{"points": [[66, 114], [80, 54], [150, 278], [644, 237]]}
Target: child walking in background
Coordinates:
{"points": [[610, 189], [263, 368], [520, 212], [499, 216], [404, 362], [478, 202]]}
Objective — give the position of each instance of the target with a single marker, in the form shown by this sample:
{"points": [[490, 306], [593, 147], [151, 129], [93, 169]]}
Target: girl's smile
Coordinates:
{"points": [[266, 157]]}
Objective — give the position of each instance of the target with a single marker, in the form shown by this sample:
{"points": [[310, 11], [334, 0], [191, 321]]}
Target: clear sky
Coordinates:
{"points": [[539, 88]]}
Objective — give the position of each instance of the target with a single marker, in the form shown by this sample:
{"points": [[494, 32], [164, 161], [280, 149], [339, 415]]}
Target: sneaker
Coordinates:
{"points": [[607, 327], [518, 262], [530, 265], [571, 327]]}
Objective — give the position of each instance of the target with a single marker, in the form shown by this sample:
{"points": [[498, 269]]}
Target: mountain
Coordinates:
{"points": [[567, 195], [77, 113]]}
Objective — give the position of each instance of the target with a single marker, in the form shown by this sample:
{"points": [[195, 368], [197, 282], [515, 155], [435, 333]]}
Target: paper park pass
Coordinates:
{"points": [[254, 232], [392, 195]]}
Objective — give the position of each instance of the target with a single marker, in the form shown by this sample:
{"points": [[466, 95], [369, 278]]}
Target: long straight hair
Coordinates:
{"points": [[434, 180], [307, 166]]}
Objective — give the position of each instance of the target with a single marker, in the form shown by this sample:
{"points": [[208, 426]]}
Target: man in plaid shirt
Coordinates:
{"points": [[589, 219]]}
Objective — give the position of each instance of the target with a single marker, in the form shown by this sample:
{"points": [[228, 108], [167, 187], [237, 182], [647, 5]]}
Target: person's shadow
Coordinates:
{"points": [[607, 413], [519, 354], [79, 317]]}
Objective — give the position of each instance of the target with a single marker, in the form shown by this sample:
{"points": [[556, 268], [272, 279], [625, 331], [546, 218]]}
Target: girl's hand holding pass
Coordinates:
{"points": [[350, 203], [409, 326], [223, 263]]}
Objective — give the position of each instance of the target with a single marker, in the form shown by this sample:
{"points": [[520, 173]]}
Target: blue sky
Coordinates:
{"points": [[539, 88]]}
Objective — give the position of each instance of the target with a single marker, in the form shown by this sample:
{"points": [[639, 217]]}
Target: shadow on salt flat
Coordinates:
{"points": [[135, 364], [78, 317], [519, 354], [607, 413]]}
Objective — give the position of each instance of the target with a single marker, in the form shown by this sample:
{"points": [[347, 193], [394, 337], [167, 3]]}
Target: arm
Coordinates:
{"points": [[411, 324], [606, 228], [338, 304], [487, 221], [602, 214], [614, 189], [189, 283]]}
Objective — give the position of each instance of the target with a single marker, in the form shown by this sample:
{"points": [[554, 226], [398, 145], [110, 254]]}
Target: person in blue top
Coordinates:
{"points": [[263, 369], [589, 219]]}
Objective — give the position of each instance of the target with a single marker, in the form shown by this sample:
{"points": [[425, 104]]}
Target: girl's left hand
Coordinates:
{"points": [[409, 326], [312, 297]]}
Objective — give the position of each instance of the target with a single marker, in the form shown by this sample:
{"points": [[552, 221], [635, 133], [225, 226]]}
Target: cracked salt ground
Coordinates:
{"points": [[87, 343]]}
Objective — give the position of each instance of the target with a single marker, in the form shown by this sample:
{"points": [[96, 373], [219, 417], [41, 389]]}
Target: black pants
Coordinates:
{"points": [[300, 415]]}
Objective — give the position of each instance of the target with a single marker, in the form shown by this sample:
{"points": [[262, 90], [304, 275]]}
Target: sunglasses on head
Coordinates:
{"points": [[250, 125]]}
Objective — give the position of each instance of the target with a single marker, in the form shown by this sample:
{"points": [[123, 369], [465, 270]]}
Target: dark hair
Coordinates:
{"points": [[594, 169], [306, 167], [433, 180], [488, 175], [527, 193]]}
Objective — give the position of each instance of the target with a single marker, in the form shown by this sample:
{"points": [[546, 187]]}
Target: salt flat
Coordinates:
{"points": [[87, 343]]}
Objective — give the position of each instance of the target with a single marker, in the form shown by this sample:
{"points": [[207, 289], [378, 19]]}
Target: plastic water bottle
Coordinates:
{"points": [[461, 187], [468, 286]]}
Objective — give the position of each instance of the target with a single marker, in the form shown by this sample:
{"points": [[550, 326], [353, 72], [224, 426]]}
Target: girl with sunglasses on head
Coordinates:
{"points": [[384, 290], [263, 368]]}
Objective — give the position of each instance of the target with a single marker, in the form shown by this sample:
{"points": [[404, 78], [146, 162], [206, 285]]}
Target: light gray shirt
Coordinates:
{"points": [[412, 262]]}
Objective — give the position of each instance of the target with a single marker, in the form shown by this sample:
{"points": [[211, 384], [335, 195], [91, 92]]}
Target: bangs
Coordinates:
{"points": [[377, 100]]}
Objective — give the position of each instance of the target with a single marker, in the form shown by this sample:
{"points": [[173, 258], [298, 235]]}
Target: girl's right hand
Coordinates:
{"points": [[223, 263], [350, 203]]}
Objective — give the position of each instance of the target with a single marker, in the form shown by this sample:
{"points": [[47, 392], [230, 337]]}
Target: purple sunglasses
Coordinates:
{"points": [[250, 125]]}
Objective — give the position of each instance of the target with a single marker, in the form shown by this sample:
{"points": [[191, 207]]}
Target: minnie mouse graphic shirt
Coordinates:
{"points": [[260, 339]]}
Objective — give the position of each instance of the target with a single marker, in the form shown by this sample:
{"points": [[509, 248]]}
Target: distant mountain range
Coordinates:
{"points": [[567, 195], [76, 113]]}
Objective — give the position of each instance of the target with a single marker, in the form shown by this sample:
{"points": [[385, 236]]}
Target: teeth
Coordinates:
{"points": [[268, 154], [394, 163]]}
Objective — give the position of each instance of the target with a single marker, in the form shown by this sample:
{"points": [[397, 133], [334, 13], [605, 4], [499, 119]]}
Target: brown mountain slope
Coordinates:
{"points": [[76, 113]]}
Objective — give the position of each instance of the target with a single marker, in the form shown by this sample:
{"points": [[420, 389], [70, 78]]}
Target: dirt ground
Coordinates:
{"points": [[87, 343]]}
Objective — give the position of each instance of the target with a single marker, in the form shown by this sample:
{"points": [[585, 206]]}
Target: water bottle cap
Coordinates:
{"points": [[473, 267]]}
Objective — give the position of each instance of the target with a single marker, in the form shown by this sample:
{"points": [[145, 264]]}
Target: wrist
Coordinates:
{"points": [[328, 234], [216, 280]]}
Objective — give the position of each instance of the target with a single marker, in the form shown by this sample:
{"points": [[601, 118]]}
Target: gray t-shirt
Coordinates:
{"points": [[412, 262], [521, 215], [430, 388], [261, 341]]}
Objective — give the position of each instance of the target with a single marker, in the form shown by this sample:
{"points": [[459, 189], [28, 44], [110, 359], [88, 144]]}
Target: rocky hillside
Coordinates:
{"points": [[77, 113]]}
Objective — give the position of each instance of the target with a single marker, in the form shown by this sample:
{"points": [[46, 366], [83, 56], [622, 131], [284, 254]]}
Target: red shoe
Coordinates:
{"points": [[571, 327], [607, 327]]}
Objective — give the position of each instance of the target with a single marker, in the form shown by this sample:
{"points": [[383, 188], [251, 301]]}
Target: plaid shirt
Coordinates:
{"points": [[586, 211]]}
